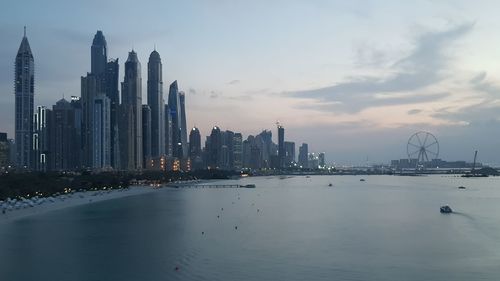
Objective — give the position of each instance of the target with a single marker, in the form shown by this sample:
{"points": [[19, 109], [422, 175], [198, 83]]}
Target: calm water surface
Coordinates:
{"points": [[386, 228]]}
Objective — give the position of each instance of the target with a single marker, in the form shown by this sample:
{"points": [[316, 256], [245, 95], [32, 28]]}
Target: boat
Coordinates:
{"points": [[445, 209], [248, 186], [362, 180], [461, 187], [330, 184]]}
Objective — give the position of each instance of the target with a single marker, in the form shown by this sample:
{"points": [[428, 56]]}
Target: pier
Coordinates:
{"points": [[211, 186]]}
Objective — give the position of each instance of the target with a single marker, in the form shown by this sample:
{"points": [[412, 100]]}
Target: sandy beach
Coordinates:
{"points": [[69, 200]]}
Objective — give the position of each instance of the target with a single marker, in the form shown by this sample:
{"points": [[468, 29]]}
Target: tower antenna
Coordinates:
{"points": [[25, 31]]}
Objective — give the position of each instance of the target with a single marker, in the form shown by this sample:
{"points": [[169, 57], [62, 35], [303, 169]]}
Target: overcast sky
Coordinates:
{"points": [[352, 78]]}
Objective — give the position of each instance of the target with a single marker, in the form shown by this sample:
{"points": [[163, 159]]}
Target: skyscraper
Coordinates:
{"points": [[77, 154], [168, 132], [112, 92], [41, 139], [194, 143], [174, 106], [24, 105], [227, 151], [215, 148], [289, 153], [99, 54], [99, 101], [131, 115], [183, 130], [63, 137], [321, 160], [146, 135], [89, 91], [303, 156], [281, 146], [195, 153], [237, 151], [156, 104], [101, 135], [4, 151]]}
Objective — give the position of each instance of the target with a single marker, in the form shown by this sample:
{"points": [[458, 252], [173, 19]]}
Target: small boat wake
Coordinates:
{"points": [[463, 215]]}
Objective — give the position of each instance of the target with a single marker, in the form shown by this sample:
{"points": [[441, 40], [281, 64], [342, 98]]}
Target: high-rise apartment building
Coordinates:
{"points": [[146, 135], [24, 105], [281, 146], [113, 93], [303, 155], [156, 104], [131, 115], [174, 105]]}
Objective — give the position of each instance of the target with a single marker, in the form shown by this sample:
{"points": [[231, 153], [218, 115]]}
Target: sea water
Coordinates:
{"points": [[296, 228]]}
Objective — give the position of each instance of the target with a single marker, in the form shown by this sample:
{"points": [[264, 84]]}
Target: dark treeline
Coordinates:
{"points": [[15, 185]]}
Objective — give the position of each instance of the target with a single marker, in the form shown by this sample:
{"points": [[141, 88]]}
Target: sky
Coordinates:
{"points": [[354, 79]]}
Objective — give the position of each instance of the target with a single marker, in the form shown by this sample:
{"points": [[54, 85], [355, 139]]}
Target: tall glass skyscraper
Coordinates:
{"points": [[304, 156], [99, 54], [41, 139], [24, 105], [112, 92], [131, 115], [156, 104], [168, 131], [183, 130], [98, 100], [281, 146], [146, 135], [175, 113]]}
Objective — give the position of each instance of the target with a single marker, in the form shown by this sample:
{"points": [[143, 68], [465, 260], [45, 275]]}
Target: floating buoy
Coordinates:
{"points": [[235, 227], [217, 216], [203, 232], [176, 268]]}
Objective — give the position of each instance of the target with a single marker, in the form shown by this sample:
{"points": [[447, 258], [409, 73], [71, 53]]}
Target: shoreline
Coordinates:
{"points": [[72, 200]]}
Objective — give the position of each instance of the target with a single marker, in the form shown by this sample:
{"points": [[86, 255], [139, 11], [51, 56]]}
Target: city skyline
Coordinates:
{"points": [[430, 77]]}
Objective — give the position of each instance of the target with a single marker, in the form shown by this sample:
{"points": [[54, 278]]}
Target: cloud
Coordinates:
{"points": [[214, 94], [414, 111], [368, 55], [423, 67], [482, 107]]}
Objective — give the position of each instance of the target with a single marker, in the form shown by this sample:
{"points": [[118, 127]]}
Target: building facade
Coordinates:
{"points": [[113, 94], [281, 146], [156, 104], [304, 155], [24, 104], [146, 135], [174, 106], [289, 153], [131, 115], [183, 129], [4, 151]]}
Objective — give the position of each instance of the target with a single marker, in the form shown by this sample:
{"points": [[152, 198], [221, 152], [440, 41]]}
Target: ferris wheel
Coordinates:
{"points": [[422, 146]]}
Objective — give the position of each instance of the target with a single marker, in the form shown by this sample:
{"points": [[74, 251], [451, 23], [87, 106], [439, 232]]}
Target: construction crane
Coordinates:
{"points": [[474, 163]]}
